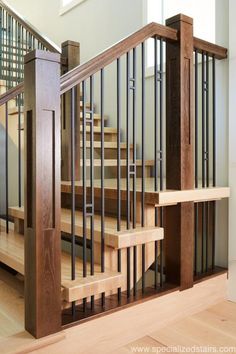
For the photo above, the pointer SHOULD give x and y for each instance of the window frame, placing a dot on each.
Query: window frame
(66, 8)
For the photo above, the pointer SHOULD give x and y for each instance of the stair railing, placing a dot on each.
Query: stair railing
(17, 38)
(134, 200)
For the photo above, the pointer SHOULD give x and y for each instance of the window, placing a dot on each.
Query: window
(67, 5)
(202, 11)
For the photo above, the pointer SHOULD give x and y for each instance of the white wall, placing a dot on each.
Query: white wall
(232, 150)
(96, 24)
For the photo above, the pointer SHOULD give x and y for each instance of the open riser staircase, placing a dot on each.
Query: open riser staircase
(91, 219)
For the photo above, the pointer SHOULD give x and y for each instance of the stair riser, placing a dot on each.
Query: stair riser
(97, 137)
(111, 172)
(109, 153)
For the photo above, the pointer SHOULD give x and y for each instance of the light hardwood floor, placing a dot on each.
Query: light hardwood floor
(196, 317)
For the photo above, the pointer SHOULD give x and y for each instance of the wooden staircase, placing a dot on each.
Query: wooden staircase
(92, 285)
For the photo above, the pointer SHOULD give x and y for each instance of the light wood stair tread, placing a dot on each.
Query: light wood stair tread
(113, 162)
(107, 130)
(12, 254)
(159, 198)
(113, 238)
(107, 145)
(91, 285)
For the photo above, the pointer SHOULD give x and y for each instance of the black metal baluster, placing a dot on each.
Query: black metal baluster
(214, 156)
(6, 168)
(19, 152)
(203, 121)
(92, 179)
(156, 150)
(128, 164)
(143, 164)
(207, 154)
(118, 166)
(84, 190)
(203, 157)
(196, 163)
(134, 88)
(161, 155)
(102, 183)
(72, 143)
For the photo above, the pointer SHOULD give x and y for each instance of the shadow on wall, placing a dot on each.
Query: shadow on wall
(13, 188)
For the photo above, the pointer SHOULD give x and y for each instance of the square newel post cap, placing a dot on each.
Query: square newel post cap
(179, 18)
(70, 44)
(42, 55)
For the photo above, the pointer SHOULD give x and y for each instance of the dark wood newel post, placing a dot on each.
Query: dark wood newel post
(179, 228)
(71, 59)
(42, 194)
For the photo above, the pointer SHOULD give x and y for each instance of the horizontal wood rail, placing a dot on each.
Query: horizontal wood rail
(11, 93)
(83, 71)
(30, 28)
(209, 48)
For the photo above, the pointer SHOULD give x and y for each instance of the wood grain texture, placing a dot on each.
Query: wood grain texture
(42, 194)
(82, 72)
(91, 285)
(70, 51)
(114, 239)
(179, 219)
(209, 48)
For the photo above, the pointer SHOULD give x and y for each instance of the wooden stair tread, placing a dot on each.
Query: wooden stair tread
(91, 285)
(159, 198)
(14, 110)
(107, 130)
(123, 239)
(113, 162)
(12, 254)
(107, 145)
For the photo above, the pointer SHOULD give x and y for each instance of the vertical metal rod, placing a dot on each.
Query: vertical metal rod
(207, 234)
(214, 155)
(161, 114)
(203, 158)
(143, 163)
(207, 120)
(6, 168)
(128, 164)
(134, 166)
(207, 154)
(196, 239)
(92, 179)
(102, 183)
(118, 166)
(156, 149)
(161, 248)
(19, 152)
(161, 156)
(203, 121)
(203, 235)
(72, 147)
(84, 188)
(196, 165)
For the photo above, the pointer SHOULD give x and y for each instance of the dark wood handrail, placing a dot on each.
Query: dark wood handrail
(30, 28)
(213, 49)
(11, 93)
(82, 72)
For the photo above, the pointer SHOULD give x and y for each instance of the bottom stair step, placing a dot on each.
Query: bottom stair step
(12, 255)
(91, 285)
